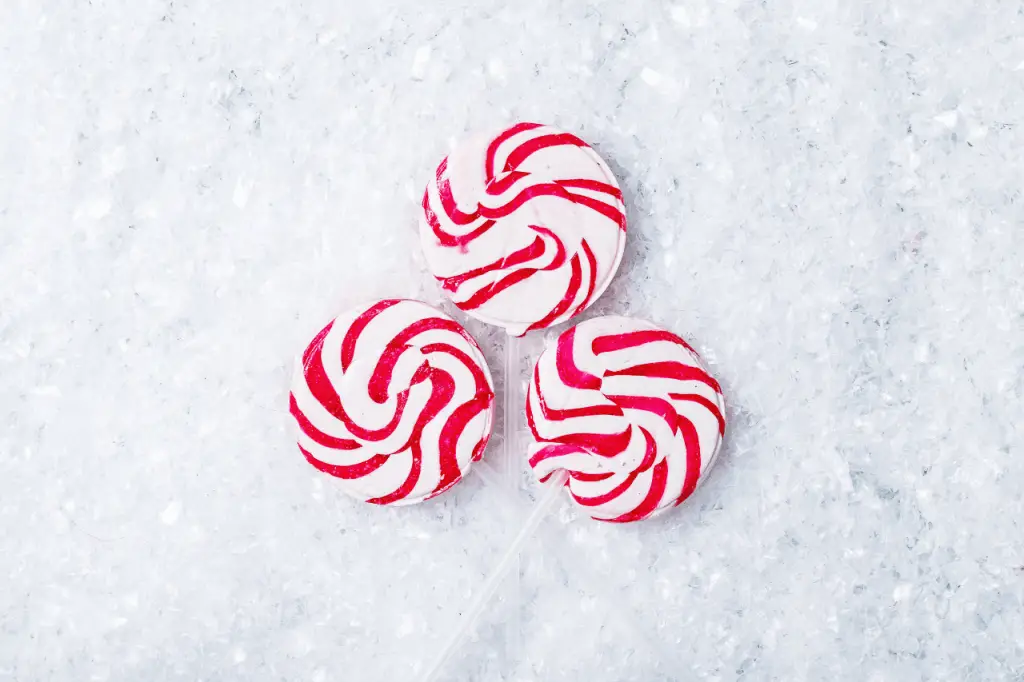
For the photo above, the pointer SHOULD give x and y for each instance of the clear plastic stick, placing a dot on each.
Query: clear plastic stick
(546, 502)
(510, 471)
(554, 544)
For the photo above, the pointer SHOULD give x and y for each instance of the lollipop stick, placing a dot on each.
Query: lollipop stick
(512, 407)
(511, 455)
(545, 503)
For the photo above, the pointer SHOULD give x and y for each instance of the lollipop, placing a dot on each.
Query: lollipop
(627, 417)
(630, 412)
(524, 228)
(395, 400)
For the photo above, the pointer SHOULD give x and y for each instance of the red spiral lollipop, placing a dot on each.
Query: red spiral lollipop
(524, 228)
(630, 412)
(395, 400)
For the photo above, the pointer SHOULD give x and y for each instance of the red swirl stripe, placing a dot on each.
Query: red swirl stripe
(606, 344)
(629, 411)
(500, 139)
(394, 399)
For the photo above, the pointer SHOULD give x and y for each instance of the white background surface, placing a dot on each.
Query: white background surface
(824, 197)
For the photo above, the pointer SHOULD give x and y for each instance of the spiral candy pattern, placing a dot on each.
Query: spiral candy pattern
(395, 400)
(523, 229)
(630, 411)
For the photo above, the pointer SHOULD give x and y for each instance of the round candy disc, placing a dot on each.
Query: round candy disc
(524, 228)
(393, 398)
(629, 411)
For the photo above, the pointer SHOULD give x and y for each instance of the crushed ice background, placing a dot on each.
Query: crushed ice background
(825, 197)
